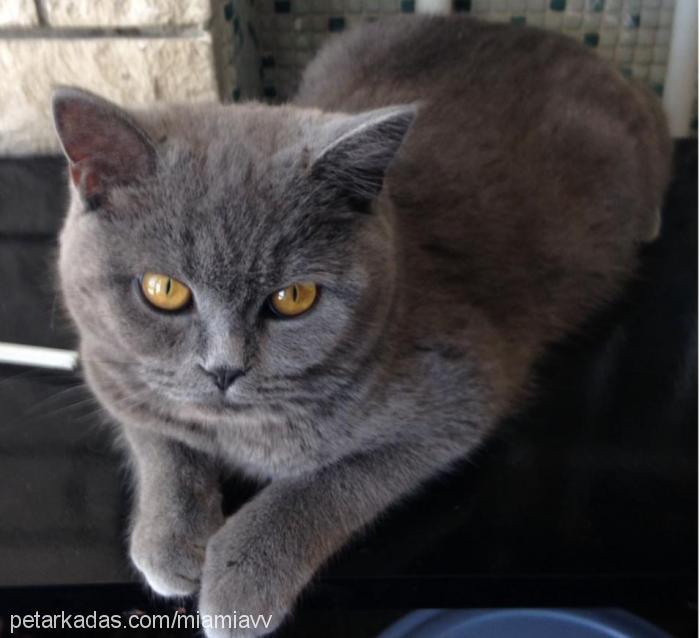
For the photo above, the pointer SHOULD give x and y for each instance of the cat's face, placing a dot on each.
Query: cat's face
(173, 252)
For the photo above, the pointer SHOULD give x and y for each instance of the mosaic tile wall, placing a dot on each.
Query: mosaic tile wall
(283, 35)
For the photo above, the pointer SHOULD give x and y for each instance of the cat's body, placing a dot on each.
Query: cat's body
(529, 175)
(517, 185)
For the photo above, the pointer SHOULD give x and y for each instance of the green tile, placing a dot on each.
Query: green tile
(336, 23)
(518, 20)
(408, 6)
(253, 34)
(462, 5)
(591, 39)
(597, 5)
(557, 5)
(283, 6)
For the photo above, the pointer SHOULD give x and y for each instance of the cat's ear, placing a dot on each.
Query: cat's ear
(104, 146)
(354, 164)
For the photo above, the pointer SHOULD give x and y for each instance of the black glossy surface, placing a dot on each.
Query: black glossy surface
(588, 498)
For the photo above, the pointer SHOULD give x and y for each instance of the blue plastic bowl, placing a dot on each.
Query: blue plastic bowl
(522, 623)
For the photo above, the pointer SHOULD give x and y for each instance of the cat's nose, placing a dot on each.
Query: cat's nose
(224, 376)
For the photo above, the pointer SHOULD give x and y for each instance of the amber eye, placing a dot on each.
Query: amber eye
(164, 292)
(294, 300)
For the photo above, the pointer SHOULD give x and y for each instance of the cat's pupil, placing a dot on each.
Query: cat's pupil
(168, 286)
(295, 294)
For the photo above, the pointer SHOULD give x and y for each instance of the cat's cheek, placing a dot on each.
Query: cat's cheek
(296, 344)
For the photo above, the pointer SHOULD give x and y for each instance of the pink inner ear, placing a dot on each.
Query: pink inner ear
(103, 145)
(84, 178)
(75, 173)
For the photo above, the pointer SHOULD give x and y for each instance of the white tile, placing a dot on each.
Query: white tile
(643, 55)
(640, 71)
(660, 55)
(624, 54)
(657, 73)
(645, 37)
(650, 18)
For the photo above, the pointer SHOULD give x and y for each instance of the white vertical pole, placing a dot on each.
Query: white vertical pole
(433, 6)
(682, 71)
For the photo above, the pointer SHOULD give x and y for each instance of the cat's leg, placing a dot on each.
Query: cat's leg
(265, 554)
(177, 508)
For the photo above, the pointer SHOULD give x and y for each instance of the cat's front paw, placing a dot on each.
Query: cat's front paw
(243, 585)
(169, 560)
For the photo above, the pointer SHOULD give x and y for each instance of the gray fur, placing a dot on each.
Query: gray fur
(519, 178)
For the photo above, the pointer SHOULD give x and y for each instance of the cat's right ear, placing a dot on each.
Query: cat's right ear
(354, 164)
(104, 146)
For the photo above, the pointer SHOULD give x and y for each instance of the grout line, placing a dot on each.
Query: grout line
(40, 13)
(50, 33)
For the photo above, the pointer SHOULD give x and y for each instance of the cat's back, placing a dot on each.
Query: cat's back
(484, 88)
(532, 172)
(441, 59)
(407, 58)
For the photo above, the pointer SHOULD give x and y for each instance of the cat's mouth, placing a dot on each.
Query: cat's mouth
(221, 403)
(206, 402)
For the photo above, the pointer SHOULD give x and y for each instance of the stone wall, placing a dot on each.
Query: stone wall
(135, 52)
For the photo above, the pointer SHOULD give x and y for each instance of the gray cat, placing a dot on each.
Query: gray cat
(342, 296)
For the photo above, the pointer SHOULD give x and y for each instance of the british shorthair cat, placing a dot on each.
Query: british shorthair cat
(341, 296)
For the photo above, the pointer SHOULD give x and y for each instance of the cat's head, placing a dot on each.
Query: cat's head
(216, 257)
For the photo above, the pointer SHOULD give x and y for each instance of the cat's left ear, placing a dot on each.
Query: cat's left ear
(355, 163)
(104, 146)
